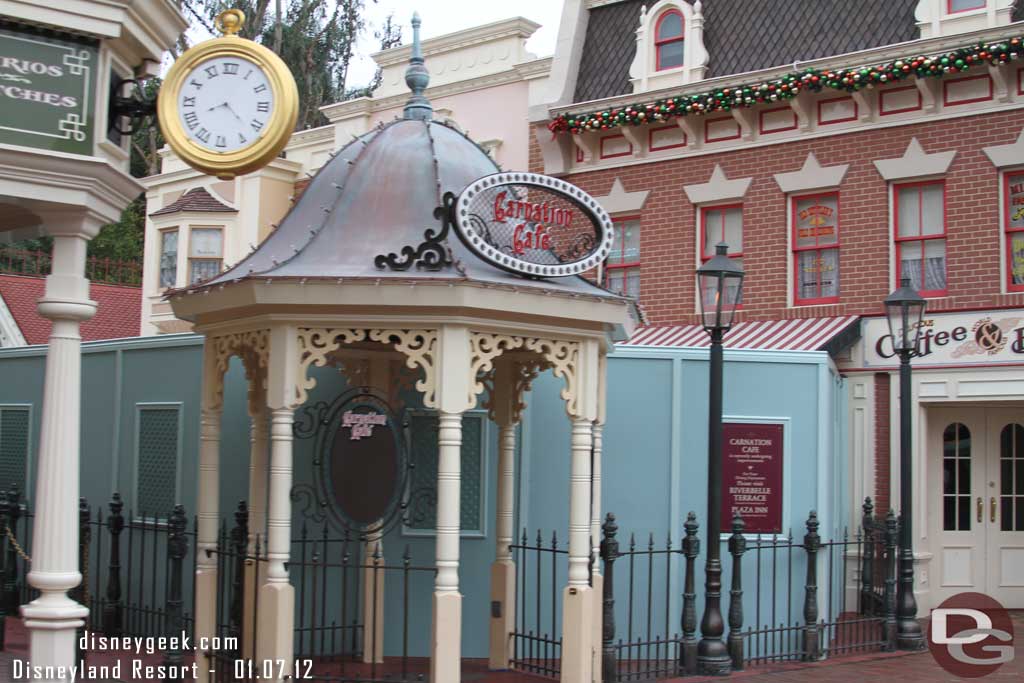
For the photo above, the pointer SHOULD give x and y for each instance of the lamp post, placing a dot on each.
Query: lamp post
(904, 310)
(720, 282)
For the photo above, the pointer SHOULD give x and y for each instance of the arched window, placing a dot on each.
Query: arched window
(668, 40)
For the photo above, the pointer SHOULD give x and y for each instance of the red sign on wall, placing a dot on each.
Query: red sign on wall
(752, 476)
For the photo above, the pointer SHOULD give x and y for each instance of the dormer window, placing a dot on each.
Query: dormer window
(669, 40)
(965, 5)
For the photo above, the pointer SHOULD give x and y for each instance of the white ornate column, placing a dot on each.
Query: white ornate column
(504, 412)
(259, 438)
(53, 617)
(597, 579)
(578, 605)
(207, 503)
(453, 396)
(277, 596)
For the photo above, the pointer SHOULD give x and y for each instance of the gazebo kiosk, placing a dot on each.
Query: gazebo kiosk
(363, 264)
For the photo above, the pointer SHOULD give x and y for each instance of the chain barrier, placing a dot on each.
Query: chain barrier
(17, 546)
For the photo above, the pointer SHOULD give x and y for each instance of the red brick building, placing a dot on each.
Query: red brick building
(835, 147)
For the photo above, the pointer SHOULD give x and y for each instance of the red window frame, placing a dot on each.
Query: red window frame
(704, 233)
(659, 42)
(617, 224)
(797, 300)
(1010, 231)
(899, 241)
(981, 4)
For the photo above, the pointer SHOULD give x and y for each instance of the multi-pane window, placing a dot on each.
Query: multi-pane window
(668, 40)
(168, 258)
(1015, 232)
(1011, 477)
(816, 249)
(14, 435)
(422, 494)
(156, 477)
(205, 253)
(956, 478)
(622, 269)
(964, 5)
(921, 236)
(722, 224)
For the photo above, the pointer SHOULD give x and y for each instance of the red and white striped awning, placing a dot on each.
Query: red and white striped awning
(799, 334)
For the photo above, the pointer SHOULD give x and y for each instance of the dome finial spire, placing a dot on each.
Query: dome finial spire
(417, 78)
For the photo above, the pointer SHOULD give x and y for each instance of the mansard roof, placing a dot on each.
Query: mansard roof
(746, 35)
(196, 199)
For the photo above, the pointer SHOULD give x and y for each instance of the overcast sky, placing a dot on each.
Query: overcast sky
(447, 16)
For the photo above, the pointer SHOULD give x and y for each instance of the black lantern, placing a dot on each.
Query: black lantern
(721, 289)
(720, 282)
(904, 309)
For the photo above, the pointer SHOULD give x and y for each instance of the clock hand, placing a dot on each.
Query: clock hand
(233, 112)
(218, 106)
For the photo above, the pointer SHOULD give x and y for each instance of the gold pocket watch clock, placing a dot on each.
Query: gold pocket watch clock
(228, 105)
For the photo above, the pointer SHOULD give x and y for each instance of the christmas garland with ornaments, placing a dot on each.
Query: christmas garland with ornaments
(789, 86)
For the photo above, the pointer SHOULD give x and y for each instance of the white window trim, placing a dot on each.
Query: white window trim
(643, 73)
(179, 406)
(486, 436)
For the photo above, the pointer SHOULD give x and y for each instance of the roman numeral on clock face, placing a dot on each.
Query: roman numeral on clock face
(263, 106)
(259, 88)
(211, 71)
(192, 120)
(195, 83)
(256, 124)
(222, 141)
(241, 139)
(203, 135)
(230, 68)
(188, 102)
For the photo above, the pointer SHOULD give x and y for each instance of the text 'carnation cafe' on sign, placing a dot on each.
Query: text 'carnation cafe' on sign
(533, 225)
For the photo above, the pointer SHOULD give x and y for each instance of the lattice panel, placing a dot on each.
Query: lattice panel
(423, 452)
(14, 430)
(156, 480)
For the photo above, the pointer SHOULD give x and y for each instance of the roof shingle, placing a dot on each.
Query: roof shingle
(196, 199)
(118, 314)
(745, 35)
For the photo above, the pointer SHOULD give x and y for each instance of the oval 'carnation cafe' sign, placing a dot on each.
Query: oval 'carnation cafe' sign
(533, 224)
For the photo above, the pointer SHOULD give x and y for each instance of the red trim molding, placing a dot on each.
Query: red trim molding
(882, 94)
(707, 130)
(650, 139)
(946, 102)
(616, 154)
(822, 121)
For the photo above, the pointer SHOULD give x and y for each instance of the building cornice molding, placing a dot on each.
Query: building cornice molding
(866, 57)
(812, 176)
(718, 189)
(915, 163)
(366, 106)
(88, 182)
(517, 26)
(1004, 156)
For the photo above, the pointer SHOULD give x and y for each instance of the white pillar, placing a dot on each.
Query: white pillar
(503, 569)
(277, 596)
(53, 617)
(207, 506)
(446, 636)
(578, 610)
(255, 573)
(596, 580)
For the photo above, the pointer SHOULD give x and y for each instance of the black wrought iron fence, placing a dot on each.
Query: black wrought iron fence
(541, 570)
(339, 628)
(808, 597)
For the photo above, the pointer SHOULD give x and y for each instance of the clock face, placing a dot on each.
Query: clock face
(224, 103)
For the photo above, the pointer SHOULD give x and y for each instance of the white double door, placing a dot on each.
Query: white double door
(976, 502)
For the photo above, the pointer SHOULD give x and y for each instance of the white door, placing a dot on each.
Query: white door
(1004, 506)
(976, 510)
(956, 508)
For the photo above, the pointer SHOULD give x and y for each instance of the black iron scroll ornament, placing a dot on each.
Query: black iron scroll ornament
(433, 253)
(383, 501)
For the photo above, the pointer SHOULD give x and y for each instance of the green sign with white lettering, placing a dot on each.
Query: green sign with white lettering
(47, 92)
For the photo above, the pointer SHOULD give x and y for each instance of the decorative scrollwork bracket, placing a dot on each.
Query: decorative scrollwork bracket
(431, 254)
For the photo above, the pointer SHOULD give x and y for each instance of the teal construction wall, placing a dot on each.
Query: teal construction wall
(654, 464)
